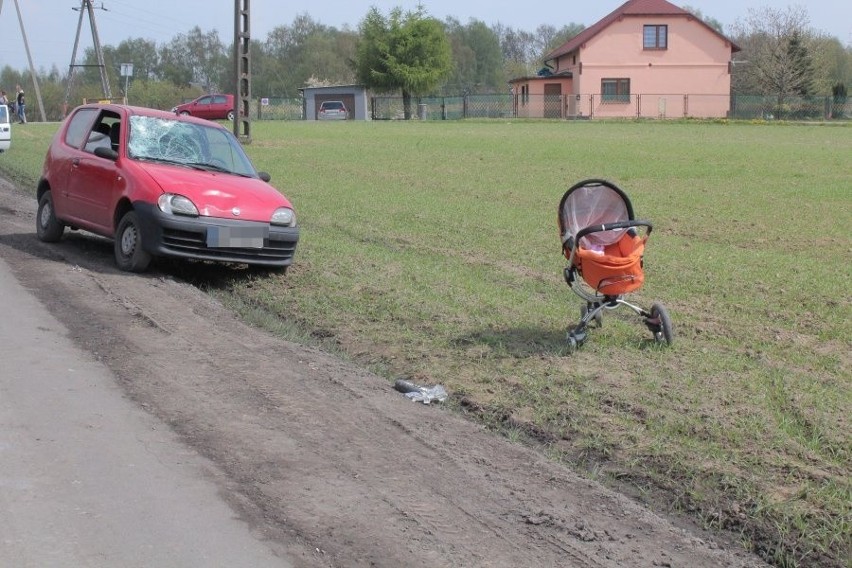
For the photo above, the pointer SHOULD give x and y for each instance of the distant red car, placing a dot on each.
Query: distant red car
(211, 107)
(162, 185)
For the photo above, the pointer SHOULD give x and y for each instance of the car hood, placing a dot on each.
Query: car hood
(217, 194)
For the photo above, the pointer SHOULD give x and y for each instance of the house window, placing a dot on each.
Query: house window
(615, 90)
(656, 37)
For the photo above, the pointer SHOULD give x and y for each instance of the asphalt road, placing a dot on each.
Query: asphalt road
(87, 478)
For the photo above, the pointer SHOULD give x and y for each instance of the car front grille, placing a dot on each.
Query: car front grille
(194, 243)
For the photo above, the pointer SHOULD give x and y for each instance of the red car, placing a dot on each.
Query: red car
(162, 185)
(211, 107)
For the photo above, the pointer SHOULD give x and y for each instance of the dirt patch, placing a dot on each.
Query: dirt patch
(321, 457)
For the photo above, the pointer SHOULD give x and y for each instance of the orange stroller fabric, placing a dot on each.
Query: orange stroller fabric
(615, 271)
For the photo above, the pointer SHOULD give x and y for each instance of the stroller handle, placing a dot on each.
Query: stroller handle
(610, 227)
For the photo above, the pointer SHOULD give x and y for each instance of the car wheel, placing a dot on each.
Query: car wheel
(48, 227)
(231, 115)
(184, 113)
(129, 254)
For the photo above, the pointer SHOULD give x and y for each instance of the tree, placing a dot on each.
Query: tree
(832, 63)
(801, 65)
(305, 49)
(776, 45)
(141, 53)
(520, 53)
(195, 57)
(408, 52)
(478, 61)
(712, 22)
(548, 38)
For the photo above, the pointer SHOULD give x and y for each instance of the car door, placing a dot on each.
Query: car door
(203, 107)
(91, 185)
(219, 108)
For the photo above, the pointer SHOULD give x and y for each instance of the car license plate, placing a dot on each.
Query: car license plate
(236, 237)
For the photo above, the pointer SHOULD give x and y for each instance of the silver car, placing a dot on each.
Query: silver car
(332, 110)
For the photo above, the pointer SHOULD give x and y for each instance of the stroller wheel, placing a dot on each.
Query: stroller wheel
(576, 338)
(660, 324)
(572, 343)
(587, 308)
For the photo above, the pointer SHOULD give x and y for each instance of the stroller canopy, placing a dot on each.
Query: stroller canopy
(593, 202)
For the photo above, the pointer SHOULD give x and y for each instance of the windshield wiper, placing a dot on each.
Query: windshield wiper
(207, 166)
(157, 159)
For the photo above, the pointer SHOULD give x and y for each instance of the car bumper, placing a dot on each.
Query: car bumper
(220, 240)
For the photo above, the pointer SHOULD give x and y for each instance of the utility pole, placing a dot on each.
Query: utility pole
(242, 70)
(87, 8)
(29, 59)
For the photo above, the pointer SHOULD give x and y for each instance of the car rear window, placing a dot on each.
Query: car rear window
(332, 106)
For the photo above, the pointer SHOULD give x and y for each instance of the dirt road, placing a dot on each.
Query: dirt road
(323, 459)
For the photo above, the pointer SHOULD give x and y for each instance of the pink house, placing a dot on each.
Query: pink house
(648, 58)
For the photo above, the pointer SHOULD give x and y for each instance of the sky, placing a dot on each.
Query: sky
(51, 25)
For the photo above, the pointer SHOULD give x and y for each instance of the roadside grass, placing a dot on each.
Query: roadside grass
(430, 251)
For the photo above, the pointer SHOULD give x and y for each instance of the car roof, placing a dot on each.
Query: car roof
(130, 110)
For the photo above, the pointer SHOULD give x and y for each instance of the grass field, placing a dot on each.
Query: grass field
(430, 251)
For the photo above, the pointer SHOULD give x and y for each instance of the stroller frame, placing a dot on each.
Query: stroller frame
(597, 301)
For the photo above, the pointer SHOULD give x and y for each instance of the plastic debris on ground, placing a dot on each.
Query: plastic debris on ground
(417, 393)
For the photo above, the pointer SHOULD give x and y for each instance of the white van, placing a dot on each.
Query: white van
(5, 129)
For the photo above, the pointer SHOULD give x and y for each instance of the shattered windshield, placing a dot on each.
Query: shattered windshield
(187, 144)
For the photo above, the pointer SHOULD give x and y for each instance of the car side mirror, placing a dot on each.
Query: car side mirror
(264, 176)
(108, 153)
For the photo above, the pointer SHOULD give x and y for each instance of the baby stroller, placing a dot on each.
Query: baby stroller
(604, 245)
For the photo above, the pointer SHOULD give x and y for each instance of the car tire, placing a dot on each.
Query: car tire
(48, 227)
(231, 115)
(129, 254)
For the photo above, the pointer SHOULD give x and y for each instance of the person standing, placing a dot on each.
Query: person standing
(4, 100)
(10, 104)
(22, 106)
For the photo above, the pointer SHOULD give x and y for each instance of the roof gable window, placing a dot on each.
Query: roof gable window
(655, 37)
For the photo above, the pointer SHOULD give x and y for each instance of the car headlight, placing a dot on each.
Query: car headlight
(174, 204)
(284, 216)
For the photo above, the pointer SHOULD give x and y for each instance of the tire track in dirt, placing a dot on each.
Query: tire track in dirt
(324, 458)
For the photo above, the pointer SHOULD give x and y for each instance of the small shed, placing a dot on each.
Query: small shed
(353, 96)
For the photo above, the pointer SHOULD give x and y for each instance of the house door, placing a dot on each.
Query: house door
(553, 100)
